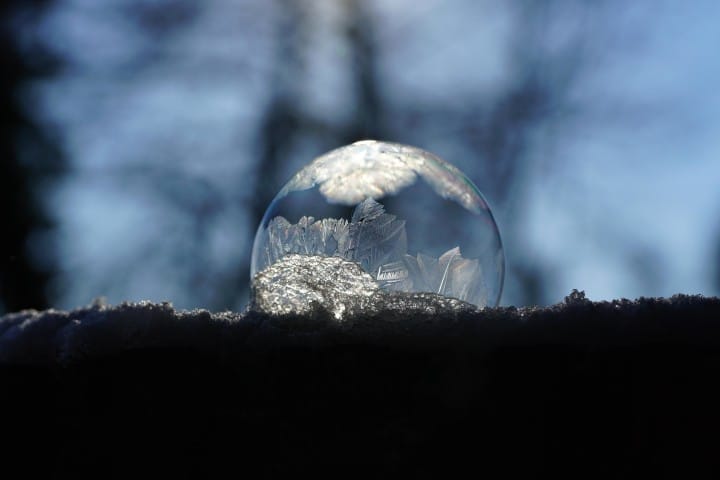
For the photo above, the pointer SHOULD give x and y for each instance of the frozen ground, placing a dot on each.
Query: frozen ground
(32, 337)
(620, 389)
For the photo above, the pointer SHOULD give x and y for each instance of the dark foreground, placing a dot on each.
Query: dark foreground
(583, 390)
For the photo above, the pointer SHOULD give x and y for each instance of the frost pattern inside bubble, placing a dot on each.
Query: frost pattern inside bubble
(377, 241)
(408, 219)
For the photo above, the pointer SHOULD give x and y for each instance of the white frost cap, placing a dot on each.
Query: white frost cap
(350, 174)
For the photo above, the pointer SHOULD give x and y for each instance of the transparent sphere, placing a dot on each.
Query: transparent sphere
(411, 220)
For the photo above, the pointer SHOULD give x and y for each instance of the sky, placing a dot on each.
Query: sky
(158, 115)
(655, 183)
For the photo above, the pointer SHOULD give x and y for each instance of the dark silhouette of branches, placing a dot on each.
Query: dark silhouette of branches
(369, 121)
(29, 160)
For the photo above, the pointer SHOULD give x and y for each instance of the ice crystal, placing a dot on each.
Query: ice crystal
(450, 275)
(377, 241)
(303, 284)
(376, 238)
(371, 238)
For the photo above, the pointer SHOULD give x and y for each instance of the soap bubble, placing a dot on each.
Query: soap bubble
(412, 221)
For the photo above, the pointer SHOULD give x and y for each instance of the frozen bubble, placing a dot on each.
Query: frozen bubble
(409, 221)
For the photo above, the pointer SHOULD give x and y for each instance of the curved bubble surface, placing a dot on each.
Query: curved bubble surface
(411, 220)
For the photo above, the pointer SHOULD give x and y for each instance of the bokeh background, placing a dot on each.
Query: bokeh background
(142, 140)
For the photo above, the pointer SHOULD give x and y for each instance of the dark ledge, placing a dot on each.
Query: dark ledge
(582, 389)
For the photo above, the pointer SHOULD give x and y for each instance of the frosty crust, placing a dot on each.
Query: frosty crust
(377, 241)
(307, 284)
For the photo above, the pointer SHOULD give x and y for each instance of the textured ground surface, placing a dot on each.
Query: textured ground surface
(580, 389)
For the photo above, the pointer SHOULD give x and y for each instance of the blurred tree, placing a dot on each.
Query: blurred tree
(543, 74)
(29, 160)
(501, 131)
(498, 131)
(367, 96)
(284, 123)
